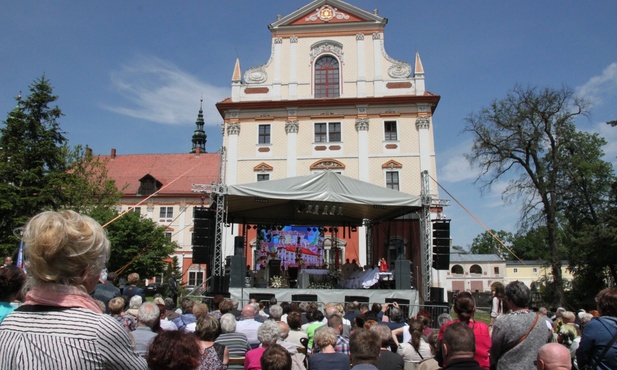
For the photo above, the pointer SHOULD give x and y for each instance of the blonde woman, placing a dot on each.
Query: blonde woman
(60, 326)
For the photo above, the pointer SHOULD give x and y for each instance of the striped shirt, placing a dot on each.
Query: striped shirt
(56, 338)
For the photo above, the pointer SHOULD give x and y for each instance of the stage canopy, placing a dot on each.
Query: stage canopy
(325, 198)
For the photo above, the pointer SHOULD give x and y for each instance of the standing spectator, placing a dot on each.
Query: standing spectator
(66, 252)
(173, 287)
(388, 360)
(268, 334)
(235, 341)
(365, 350)
(517, 335)
(599, 333)
(214, 356)
(497, 304)
(416, 350)
(173, 350)
(116, 310)
(249, 326)
(465, 308)
(12, 281)
(553, 356)
(328, 358)
(107, 290)
(276, 358)
(459, 348)
(132, 289)
(147, 324)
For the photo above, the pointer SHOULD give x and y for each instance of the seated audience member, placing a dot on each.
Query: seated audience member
(173, 350)
(431, 363)
(553, 356)
(165, 323)
(134, 304)
(214, 356)
(268, 334)
(12, 280)
(248, 325)
(327, 358)
(294, 320)
(417, 349)
(275, 357)
(459, 347)
(147, 325)
(388, 360)
(60, 326)
(365, 350)
(187, 317)
(275, 312)
(234, 341)
(116, 310)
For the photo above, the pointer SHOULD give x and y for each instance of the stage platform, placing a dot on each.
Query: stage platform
(407, 296)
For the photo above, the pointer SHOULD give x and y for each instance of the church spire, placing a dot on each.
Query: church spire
(199, 135)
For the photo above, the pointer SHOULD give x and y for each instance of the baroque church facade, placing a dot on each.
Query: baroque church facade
(331, 98)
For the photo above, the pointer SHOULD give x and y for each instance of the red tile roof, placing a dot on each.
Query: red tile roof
(185, 169)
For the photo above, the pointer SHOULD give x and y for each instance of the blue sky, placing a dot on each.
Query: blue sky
(130, 74)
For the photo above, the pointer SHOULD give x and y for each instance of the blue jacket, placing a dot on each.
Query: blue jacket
(597, 334)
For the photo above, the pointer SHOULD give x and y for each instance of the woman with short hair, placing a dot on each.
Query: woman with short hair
(327, 358)
(60, 326)
(213, 355)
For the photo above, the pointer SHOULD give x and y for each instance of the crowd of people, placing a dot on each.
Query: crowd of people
(62, 316)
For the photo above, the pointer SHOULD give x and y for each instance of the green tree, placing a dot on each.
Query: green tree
(485, 243)
(138, 244)
(32, 162)
(519, 139)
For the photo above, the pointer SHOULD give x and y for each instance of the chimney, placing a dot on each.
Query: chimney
(113, 153)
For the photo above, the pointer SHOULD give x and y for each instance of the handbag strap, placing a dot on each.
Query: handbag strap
(609, 346)
(511, 345)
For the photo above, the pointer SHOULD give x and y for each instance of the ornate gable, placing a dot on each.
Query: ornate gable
(321, 12)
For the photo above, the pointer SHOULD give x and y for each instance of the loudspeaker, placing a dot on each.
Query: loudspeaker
(201, 255)
(402, 274)
(436, 294)
(237, 271)
(274, 268)
(239, 246)
(304, 297)
(441, 261)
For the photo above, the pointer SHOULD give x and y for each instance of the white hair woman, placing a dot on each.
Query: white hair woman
(60, 325)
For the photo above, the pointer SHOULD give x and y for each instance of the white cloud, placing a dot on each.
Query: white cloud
(158, 91)
(455, 166)
(597, 86)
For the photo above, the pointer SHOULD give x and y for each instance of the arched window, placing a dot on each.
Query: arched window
(475, 269)
(327, 77)
(457, 269)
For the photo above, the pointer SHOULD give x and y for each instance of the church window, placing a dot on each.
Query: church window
(327, 77)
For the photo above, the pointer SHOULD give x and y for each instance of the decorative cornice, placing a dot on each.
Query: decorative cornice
(362, 124)
(292, 127)
(326, 47)
(233, 128)
(423, 123)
